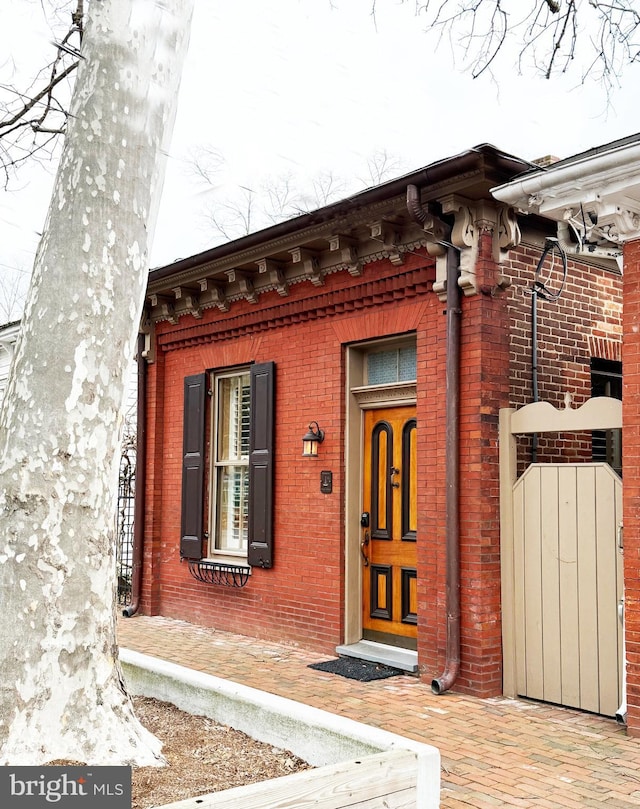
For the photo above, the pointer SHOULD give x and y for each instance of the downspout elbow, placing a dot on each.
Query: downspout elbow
(414, 205)
(448, 677)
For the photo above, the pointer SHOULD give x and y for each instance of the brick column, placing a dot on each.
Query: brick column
(631, 471)
(431, 413)
(153, 493)
(484, 389)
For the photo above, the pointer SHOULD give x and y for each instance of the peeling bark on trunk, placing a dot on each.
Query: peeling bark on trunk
(61, 694)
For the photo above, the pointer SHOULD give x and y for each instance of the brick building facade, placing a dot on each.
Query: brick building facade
(345, 321)
(597, 193)
(631, 457)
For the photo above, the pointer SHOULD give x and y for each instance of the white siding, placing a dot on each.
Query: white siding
(8, 337)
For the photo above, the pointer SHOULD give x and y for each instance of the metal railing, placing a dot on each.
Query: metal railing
(125, 522)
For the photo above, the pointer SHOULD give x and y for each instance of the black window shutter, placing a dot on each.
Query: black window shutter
(260, 553)
(195, 396)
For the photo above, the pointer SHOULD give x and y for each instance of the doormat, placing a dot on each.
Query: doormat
(361, 670)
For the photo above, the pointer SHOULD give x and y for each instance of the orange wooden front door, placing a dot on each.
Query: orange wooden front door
(388, 541)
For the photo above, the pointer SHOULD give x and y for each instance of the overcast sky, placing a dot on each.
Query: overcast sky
(299, 87)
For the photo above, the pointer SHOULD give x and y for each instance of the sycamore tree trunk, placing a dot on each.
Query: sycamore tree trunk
(61, 690)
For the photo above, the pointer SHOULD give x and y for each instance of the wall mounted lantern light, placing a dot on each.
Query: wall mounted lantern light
(311, 440)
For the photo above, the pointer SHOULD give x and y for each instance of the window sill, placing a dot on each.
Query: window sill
(220, 573)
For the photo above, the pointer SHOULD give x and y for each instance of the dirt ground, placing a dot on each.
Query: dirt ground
(202, 757)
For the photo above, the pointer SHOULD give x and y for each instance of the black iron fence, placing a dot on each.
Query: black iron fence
(126, 497)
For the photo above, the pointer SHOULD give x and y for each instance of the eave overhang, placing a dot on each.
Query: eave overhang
(596, 193)
(344, 236)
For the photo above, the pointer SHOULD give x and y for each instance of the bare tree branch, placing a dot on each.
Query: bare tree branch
(31, 118)
(325, 188)
(380, 166)
(596, 40)
(10, 124)
(245, 209)
(281, 198)
(13, 290)
(234, 218)
(205, 164)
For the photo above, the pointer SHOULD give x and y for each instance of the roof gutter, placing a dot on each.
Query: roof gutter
(576, 178)
(439, 172)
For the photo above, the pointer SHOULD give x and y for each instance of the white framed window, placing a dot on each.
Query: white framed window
(230, 472)
(227, 463)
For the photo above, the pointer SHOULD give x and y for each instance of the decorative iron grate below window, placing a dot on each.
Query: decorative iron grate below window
(219, 573)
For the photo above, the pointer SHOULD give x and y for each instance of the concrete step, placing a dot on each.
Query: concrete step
(403, 659)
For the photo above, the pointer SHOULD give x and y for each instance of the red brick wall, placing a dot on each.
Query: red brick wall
(483, 390)
(496, 372)
(301, 600)
(430, 414)
(585, 322)
(631, 489)
(153, 483)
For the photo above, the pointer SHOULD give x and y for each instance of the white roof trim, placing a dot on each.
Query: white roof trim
(8, 337)
(603, 188)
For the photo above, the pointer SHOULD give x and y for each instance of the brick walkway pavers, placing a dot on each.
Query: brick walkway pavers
(495, 752)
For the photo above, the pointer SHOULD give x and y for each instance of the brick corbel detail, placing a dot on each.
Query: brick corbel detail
(244, 283)
(274, 272)
(310, 262)
(345, 255)
(473, 219)
(362, 295)
(191, 299)
(165, 306)
(385, 233)
(212, 294)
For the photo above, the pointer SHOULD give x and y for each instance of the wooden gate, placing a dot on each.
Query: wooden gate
(562, 567)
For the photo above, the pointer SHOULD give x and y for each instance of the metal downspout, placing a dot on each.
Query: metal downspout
(534, 365)
(452, 447)
(452, 477)
(141, 463)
